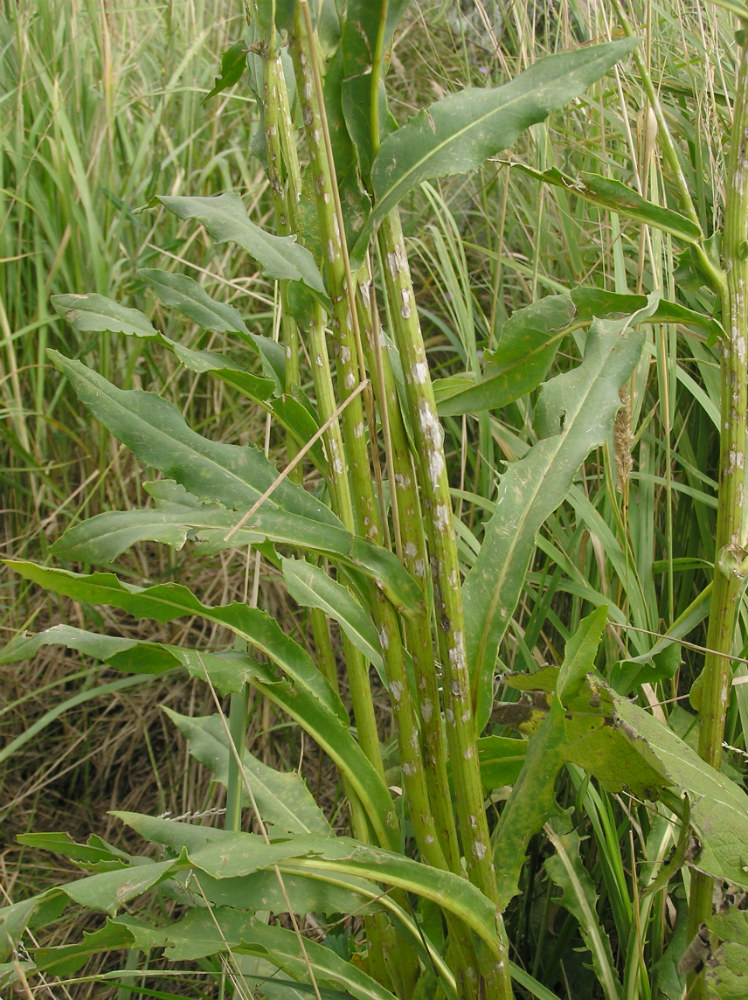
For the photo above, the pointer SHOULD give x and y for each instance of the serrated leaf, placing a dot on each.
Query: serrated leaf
(225, 219)
(578, 896)
(619, 198)
(159, 436)
(282, 798)
(458, 133)
(575, 414)
(95, 313)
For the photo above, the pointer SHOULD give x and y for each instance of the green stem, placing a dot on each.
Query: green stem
(434, 486)
(730, 539)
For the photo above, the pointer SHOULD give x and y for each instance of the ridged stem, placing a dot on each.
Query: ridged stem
(730, 537)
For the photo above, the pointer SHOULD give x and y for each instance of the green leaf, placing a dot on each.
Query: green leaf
(233, 64)
(575, 414)
(311, 587)
(525, 352)
(533, 799)
(501, 760)
(531, 337)
(225, 219)
(283, 799)
(234, 854)
(617, 197)
(458, 133)
(726, 974)
(179, 516)
(159, 436)
(96, 313)
(189, 298)
(565, 868)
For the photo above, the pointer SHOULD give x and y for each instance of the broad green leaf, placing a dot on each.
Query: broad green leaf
(302, 693)
(565, 868)
(283, 799)
(726, 973)
(580, 654)
(170, 601)
(719, 806)
(575, 414)
(458, 133)
(525, 352)
(225, 219)
(531, 337)
(622, 199)
(233, 64)
(236, 854)
(311, 587)
(189, 298)
(159, 436)
(94, 313)
(179, 516)
(501, 760)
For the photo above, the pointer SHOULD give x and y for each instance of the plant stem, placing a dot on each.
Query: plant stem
(730, 539)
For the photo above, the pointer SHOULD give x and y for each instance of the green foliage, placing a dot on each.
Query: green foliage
(441, 869)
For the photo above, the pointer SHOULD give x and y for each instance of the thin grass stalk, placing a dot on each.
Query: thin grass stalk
(730, 538)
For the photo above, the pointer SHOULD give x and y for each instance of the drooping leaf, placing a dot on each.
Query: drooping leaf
(159, 436)
(619, 198)
(178, 516)
(525, 352)
(95, 313)
(189, 298)
(281, 797)
(234, 854)
(579, 897)
(302, 692)
(225, 219)
(311, 587)
(458, 133)
(531, 337)
(575, 414)
(533, 800)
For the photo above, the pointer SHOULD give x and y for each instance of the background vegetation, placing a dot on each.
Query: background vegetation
(101, 109)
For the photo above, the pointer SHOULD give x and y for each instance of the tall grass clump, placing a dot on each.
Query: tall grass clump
(502, 374)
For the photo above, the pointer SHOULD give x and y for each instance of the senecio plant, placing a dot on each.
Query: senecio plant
(435, 854)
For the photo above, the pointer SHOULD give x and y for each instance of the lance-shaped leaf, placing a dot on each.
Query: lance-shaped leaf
(303, 693)
(282, 798)
(458, 133)
(225, 219)
(311, 587)
(531, 337)
(575, 414)
(565, 868)
(189, 298)
(94, 313)
(159, 436)
(229, 855)
(179, 516)
(619, 198)
(169, 601)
